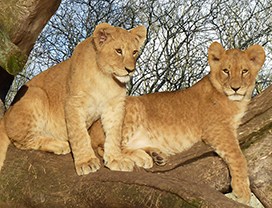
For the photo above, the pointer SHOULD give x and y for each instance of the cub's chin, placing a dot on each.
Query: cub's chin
(236, 97)
(122, 79)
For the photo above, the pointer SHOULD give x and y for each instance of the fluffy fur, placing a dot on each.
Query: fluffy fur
(166, 123)
(53, 111)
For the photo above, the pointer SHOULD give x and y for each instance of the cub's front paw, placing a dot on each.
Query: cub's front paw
(84, 168)
(241, 190)
(140, 157)
(120, 164)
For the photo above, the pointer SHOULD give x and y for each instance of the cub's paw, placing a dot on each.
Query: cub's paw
(158, 156)
(121, 164)
(84, 168)
(61, 148)
(58, 147)
(140, 157)
(241, 190)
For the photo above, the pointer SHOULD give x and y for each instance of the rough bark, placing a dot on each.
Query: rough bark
(20, 24)
(12, 59)
(2, 109)
(24, 20)
(38, 179)
(256, 139)
(259, 157)
(195, 178)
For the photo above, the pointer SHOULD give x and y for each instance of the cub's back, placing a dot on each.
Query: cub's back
(52, 81)
(54, 77)
(196, 108)
(172, 104)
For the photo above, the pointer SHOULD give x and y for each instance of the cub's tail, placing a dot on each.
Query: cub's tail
(4, 142)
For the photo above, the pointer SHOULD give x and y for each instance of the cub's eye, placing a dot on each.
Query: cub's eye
(226, 71)
(118, 51)
(244, 72)
(135, 52)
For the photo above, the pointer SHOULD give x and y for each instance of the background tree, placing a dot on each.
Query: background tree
(20, 24)
(174, 55)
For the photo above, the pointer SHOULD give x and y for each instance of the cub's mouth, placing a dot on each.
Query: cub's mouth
(236, 97)
(235, 94)
(122, 79)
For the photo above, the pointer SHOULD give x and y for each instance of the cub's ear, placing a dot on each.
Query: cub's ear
(139, 33)
(215, 53)
(102, 33)
(256, 55)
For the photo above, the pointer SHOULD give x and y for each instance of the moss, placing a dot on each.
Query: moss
(16, 62)
(255, 137)
(195, 203)
(12, 59)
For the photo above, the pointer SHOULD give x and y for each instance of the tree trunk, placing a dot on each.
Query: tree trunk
(194, 178)
(39, 179)
(22, 21)
(20, 25)
(2, 109)
(256, 140)
(12, 59)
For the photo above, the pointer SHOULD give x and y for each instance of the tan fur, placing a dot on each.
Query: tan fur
(166, 123)
(72, 95)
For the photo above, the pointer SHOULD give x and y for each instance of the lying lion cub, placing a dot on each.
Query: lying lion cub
(61, 103)
(166, 123)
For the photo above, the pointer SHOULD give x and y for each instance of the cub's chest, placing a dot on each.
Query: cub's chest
(102, 101)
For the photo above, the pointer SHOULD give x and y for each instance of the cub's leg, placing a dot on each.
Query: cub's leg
(227, 147)
(37, 142)
(80, 113)
(112, 120)
(136, 144)
(27, 119)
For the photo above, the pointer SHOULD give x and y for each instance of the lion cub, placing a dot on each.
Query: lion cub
(53, 111)
(167, 123)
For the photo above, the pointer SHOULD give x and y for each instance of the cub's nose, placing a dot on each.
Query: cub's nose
(235, 88)
(129, 70)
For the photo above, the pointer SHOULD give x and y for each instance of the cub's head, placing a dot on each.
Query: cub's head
(117, 50)
(233, 71)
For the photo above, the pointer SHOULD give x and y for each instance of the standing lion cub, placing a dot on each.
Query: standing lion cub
(166, 123)
(53, 111)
